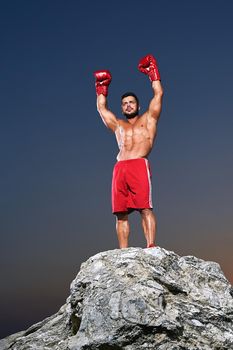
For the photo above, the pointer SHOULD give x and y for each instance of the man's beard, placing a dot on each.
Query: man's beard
(131, 115)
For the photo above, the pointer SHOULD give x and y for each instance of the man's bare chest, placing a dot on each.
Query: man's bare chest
(139, 128)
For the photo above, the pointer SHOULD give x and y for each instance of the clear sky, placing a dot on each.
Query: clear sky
(57, 156)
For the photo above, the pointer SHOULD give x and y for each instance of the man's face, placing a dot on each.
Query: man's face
(129, 107)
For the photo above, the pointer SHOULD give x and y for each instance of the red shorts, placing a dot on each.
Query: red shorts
(131, 185)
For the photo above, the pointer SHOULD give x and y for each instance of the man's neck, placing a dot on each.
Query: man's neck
(133, 120)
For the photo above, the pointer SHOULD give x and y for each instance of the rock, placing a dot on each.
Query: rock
(138, 299)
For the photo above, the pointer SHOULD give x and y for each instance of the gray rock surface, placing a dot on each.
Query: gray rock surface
(138, 299)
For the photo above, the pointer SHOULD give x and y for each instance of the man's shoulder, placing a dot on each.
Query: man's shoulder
(150, 119)
(144, 116)
(122, 122)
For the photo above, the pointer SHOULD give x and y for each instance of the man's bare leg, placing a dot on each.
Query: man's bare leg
(149, 226)
(122, 228)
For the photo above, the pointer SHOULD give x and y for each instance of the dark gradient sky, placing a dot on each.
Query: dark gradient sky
(57, 157)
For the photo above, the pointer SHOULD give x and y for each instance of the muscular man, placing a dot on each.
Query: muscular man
(131, 183)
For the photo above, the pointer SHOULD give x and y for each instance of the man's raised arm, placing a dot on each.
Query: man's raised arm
(148, 66)
(103, 79)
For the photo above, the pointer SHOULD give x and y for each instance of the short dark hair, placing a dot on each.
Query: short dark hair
(129, 93)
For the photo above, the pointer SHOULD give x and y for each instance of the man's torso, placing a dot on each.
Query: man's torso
(135, 140)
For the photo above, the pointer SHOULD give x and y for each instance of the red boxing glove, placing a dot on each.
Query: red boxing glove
(103, 79)
(148, 65)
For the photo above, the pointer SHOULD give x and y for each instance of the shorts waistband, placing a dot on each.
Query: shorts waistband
(130, 160)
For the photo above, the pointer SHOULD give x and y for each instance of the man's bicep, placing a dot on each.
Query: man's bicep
(109, 119)
(154, 110)
(155, 107)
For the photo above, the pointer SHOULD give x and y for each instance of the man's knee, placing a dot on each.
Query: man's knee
(146, 212)
(122, 216)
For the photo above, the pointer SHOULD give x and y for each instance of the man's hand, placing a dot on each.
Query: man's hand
(103, 79)
(148, 66)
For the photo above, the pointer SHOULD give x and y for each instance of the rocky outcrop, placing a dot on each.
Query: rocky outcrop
(136, 299)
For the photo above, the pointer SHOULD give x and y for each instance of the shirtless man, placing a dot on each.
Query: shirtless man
(131, 183)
